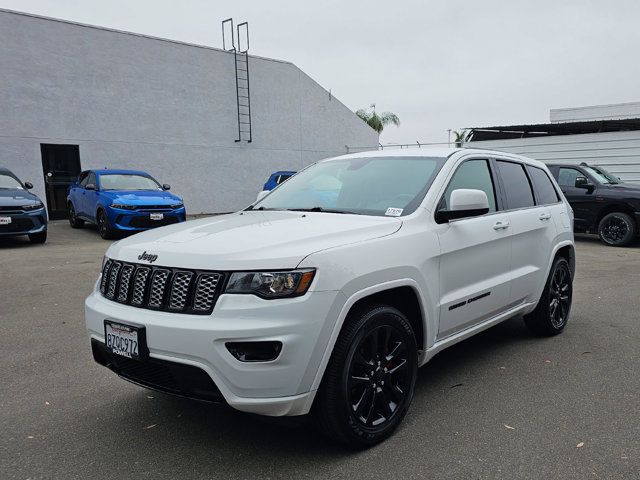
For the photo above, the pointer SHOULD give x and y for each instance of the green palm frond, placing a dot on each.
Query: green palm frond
(375, 121)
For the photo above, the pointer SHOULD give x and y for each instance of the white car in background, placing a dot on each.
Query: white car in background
(325, 296)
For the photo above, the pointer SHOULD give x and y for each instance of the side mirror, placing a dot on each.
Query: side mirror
(262, 194)
(582, 182)
(90, 186)
(28, 185)
(464, 203)
(166, 186)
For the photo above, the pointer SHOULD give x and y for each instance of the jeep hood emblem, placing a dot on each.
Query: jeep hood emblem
(148, 257)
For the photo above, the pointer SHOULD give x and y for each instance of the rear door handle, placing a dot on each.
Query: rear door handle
(501, 226)
(544, 216)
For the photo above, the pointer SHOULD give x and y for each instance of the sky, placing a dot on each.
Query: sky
(437, 64)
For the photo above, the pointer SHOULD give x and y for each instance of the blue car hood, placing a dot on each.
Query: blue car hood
(142, 197)
(14, 197)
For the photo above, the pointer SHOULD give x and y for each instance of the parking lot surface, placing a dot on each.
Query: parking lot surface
(501, 405)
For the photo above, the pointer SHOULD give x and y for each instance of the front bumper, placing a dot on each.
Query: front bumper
(138, 220)
(278, 387)
(24, 223)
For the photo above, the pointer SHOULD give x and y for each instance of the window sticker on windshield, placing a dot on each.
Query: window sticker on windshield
(393, 212)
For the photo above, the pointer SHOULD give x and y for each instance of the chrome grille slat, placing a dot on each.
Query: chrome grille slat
(180, 290)
(113, 279)
(125, 283)
(157, 290)
(205, 291)
(140, 285)
(168, 289)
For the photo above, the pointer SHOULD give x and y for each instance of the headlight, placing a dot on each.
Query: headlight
(177, 206)
(123, 207)
(35, 206)
(271, 284)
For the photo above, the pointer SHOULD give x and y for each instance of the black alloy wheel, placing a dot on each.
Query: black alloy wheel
(369, 382)
(554, 307)
(379, 376)
(104, 228)
(74, 221)
(616, 229)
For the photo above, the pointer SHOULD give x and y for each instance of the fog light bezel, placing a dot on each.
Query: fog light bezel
(245, 351)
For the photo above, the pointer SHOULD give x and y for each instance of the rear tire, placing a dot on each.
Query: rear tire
(104, 227)
(369, 382)
(552, 313)
(38, 237)
(74, 221)
(616, 229)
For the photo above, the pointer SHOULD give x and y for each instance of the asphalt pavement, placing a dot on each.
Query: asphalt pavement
(501, 405)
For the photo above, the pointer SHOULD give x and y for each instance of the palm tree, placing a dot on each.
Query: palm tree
(461, 137)
(375, 121)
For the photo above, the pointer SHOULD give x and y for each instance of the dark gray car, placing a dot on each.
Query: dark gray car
(21, 212)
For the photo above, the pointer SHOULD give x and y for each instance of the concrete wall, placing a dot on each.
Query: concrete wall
(618, 152)
(131, 101)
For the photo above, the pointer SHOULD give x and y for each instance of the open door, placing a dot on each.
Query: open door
(61, 166)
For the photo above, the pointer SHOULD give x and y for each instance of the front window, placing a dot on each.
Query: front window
(392, 186)
(128, 182)
(9, 182)
(602, 176)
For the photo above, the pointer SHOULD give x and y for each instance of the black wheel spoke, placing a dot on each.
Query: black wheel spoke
(397, 368)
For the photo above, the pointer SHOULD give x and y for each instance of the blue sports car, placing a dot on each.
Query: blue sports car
(21, 212)
(122, 201)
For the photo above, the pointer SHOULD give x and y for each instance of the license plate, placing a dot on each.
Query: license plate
(156, 216)
(124, 340)
(5, 220)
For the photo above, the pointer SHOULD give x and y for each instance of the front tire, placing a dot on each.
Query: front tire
(616, 229)
(74, 221)
(552, 313)
(369, 382)
(38, 237)
(104, 227)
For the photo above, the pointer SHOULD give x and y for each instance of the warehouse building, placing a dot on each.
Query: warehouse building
(212, 123)
(605, 135)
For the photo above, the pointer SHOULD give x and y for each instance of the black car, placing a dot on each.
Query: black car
(21, 212)
(601, 202)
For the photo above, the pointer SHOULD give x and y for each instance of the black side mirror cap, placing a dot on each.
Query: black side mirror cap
(166, 186)
(28, 185)
(582, 182)
(444, 216)
(90, 186)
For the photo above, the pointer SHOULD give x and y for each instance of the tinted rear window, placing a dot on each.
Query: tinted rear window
(545, 192)
(516, 185)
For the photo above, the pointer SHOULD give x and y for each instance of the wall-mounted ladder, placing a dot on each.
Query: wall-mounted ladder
(241, 61)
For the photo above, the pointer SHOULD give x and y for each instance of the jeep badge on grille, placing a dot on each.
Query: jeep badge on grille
(148, 257)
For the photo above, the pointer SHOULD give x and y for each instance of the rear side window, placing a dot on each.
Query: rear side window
(473, 174)
(84, 177)
(516, 185)
(545, 192)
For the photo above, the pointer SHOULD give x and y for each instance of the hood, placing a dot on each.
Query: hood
(625, 187)
(16, 197)
(142, 197)
(251, 240)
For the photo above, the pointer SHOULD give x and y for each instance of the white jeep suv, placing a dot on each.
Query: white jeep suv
(325, 296)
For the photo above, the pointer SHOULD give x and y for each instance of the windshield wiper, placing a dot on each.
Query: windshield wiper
(320, 209)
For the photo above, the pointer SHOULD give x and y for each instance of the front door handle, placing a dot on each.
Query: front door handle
(501, 226)
(544, 216)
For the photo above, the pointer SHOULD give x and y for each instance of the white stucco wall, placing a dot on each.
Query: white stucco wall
(131, 101)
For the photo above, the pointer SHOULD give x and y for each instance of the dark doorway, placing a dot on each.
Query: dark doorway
(61, 166)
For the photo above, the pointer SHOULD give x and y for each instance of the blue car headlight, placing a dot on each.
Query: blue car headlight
(121, 206)
(176, 206)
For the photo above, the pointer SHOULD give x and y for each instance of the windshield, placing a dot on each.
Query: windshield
(9, 182)
(391, 186)
(602, 176)
(128, 182)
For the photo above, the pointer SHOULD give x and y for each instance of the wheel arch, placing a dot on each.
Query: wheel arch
(614, 207)
(390, 293)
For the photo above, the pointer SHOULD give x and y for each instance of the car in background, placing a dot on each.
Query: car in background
(21, 212)
(274, 180)
(120, 201)
(601, 202)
